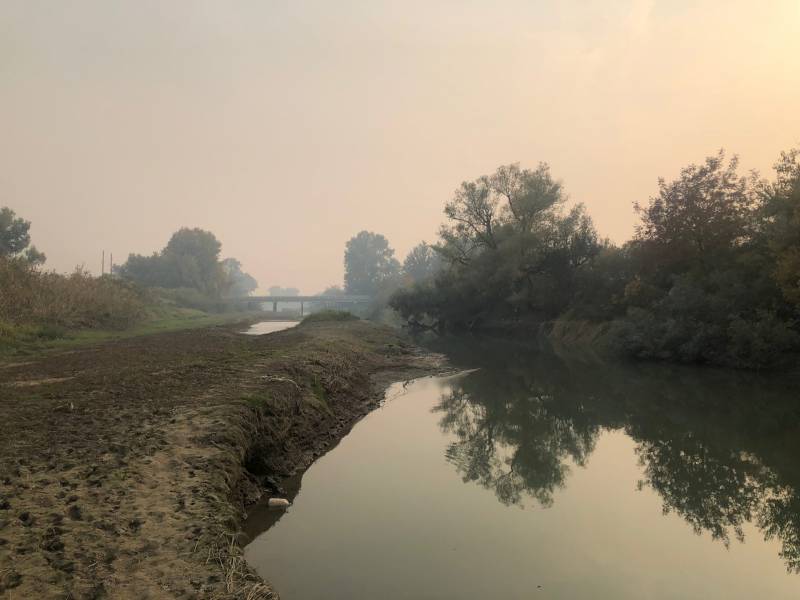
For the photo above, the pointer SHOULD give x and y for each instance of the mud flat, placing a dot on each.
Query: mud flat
(126, 468)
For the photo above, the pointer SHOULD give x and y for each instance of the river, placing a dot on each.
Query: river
(545, 476)
(264, 327)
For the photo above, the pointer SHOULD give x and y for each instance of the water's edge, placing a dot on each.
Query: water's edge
(307, 445)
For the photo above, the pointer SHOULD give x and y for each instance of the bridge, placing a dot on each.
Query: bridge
(337, 302)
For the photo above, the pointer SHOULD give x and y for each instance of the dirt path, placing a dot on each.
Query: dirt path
(125, 468)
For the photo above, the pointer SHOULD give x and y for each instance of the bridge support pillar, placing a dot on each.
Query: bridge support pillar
(302, 308)
(274, 307)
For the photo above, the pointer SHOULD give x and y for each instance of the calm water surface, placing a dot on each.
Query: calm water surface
(540, 477)
(270, 327)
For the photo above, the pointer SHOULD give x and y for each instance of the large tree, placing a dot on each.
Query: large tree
(509, 251)
(780, 224)
(511, 198)
(369, 263)
(194, 255)
(239, 283)
(15, 238)
(422, 263)
(528, 194)
(189, 260)
(698, 219)
(704, 269)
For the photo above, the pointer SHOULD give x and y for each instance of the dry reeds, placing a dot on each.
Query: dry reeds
(238, 578)
(29, 296)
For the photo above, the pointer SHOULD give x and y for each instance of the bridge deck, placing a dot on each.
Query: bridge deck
(332, 299)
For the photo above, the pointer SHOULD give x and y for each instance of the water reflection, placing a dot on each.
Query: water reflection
(265, 327)
(719, 447)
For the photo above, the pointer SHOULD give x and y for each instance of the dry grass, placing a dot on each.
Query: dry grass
(29, 296)
(240, 581)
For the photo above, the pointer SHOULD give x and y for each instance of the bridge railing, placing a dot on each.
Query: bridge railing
(328, 301)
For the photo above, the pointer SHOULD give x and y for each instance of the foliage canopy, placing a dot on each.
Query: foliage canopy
(711, 275)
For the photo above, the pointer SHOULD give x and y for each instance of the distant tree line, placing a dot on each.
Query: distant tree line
(712, 274)
(370, 267)
(190, 260)
(277, 290)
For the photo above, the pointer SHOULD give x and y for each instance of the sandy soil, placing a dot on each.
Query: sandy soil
(125, 468)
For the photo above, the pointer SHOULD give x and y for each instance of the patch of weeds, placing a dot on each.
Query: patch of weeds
(318, 390)
(51, 332)
(257, 400)
(7, 330)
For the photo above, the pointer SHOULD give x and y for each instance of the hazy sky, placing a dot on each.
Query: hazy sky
(286, 127)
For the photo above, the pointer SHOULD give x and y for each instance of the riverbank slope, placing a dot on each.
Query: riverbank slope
(125, 467)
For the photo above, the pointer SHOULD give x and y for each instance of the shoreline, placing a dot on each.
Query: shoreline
(126, 468)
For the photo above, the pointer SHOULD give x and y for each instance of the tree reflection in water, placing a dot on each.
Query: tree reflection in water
(719, 447)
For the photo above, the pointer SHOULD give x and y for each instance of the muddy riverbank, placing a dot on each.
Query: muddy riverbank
(126, 468)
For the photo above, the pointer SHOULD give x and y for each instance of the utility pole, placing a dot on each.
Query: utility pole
(103, 265)
(111, 265)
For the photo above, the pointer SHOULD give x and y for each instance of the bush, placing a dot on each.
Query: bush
(760, 342)
(757, 342)
(330, 315)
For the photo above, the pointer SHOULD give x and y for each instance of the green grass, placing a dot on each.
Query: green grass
(258, 399)
(31, 339)
(319, 391)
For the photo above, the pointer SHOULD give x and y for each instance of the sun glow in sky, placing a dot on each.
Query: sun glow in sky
(286, 127)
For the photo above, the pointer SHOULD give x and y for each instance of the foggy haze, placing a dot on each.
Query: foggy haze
(287, 127)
